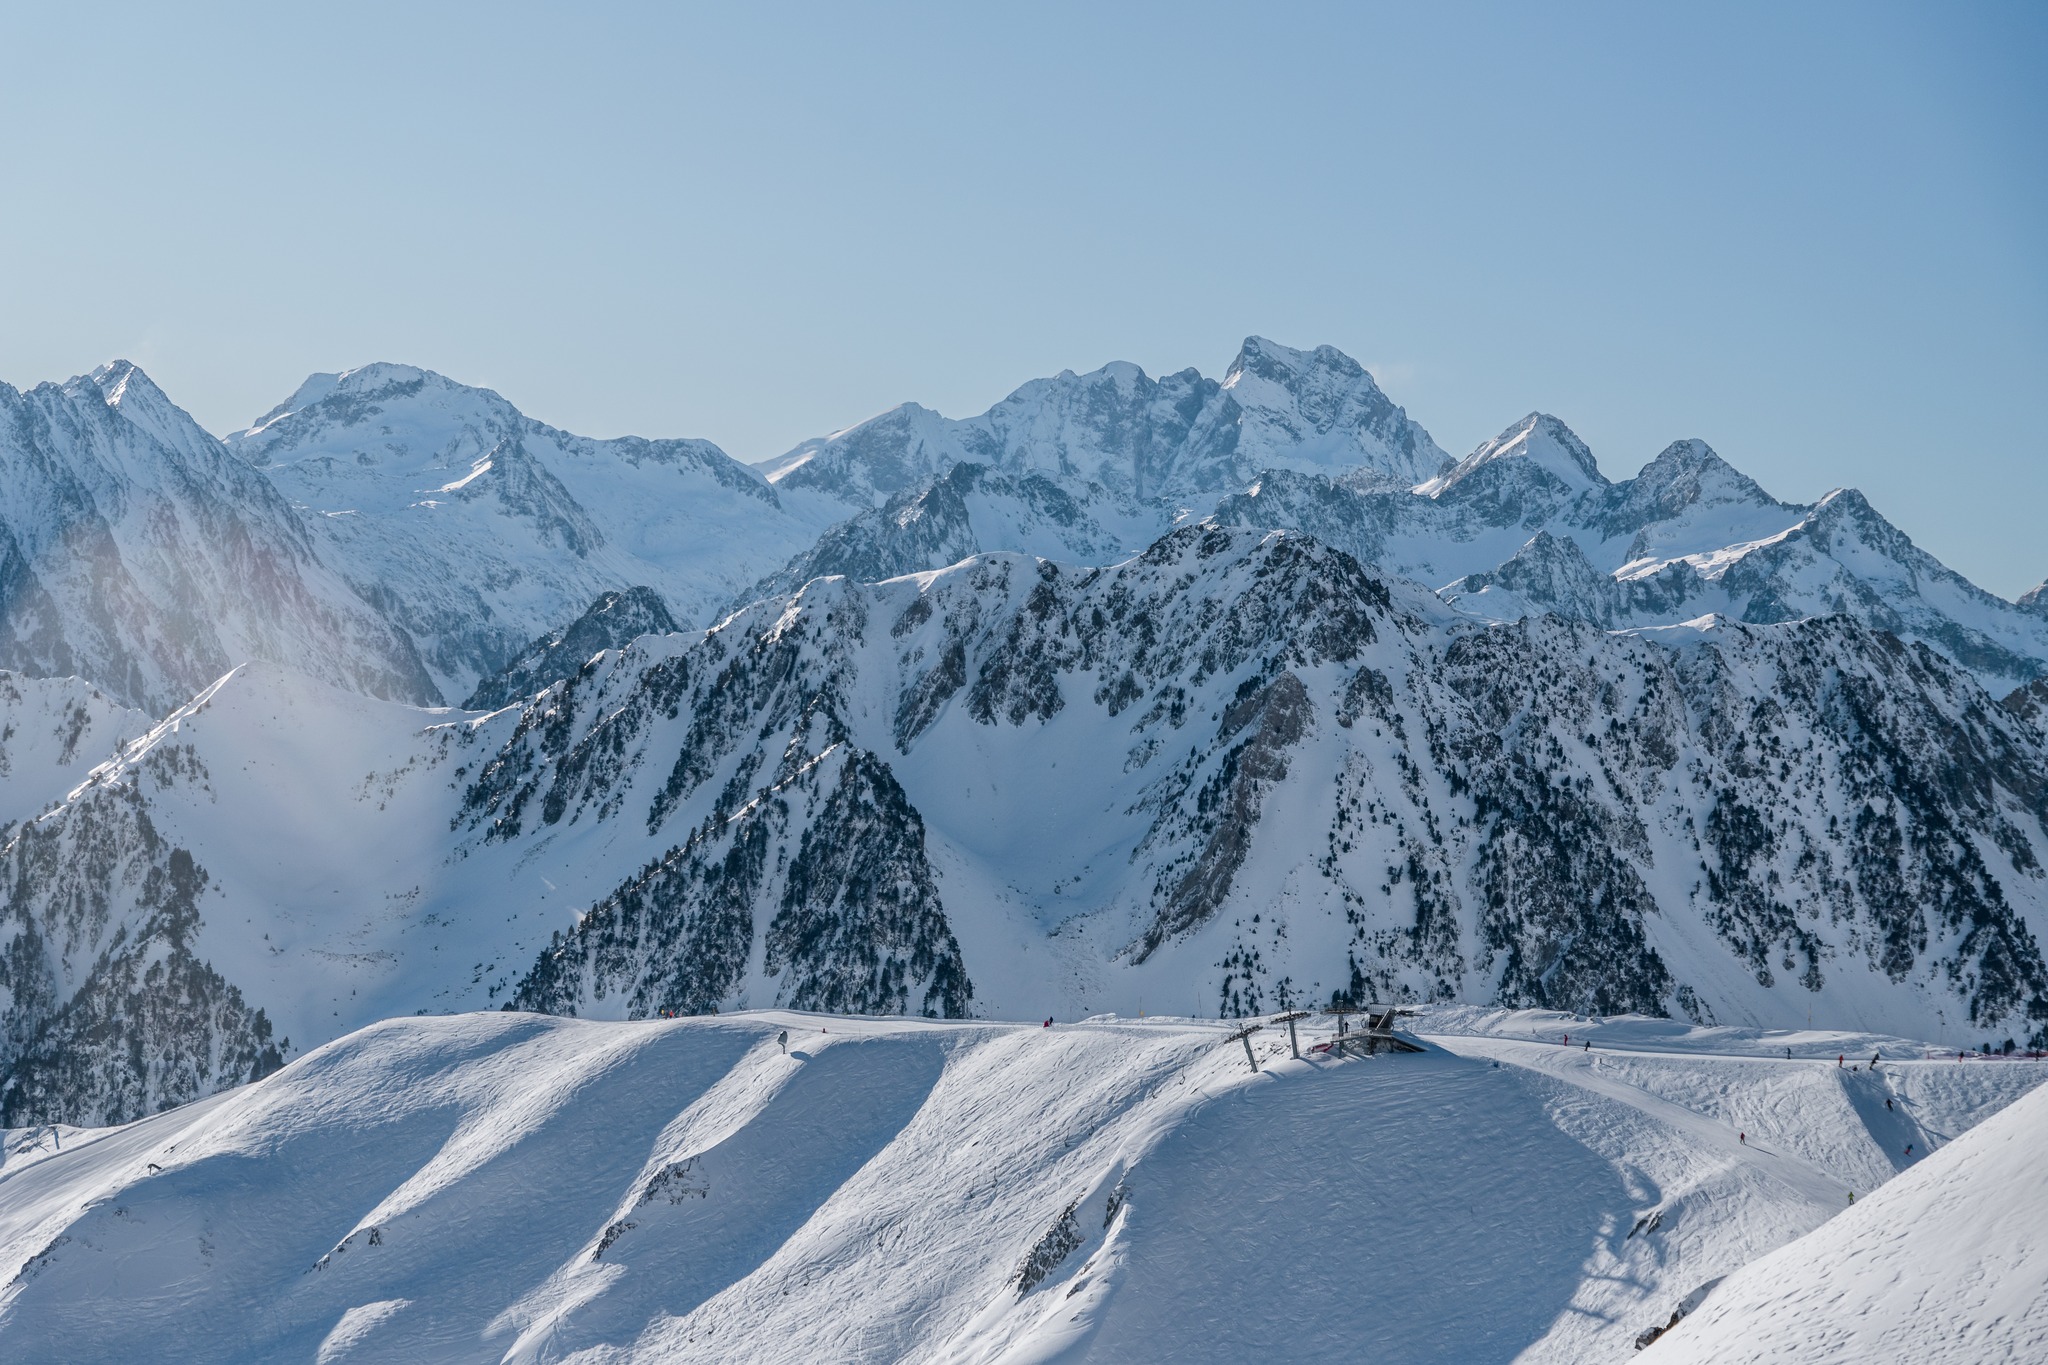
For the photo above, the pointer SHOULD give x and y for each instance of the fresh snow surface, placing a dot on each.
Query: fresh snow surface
(513, 1187)
(1944, 1266)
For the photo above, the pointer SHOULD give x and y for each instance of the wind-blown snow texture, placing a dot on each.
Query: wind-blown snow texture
(509, 1187)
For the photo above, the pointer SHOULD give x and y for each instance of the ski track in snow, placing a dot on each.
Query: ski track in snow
(514, 1187)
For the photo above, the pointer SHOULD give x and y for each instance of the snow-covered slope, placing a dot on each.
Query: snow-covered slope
(1238, 771)
(53, 732)
(136, 553)
(506, 1187)
(1943, 1266)
(477, 529)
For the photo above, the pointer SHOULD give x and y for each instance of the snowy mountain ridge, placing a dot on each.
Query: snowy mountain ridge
(476, 528)
(1092, 468)
(1139, 439)
(1237, 772)
(405, 535)
(1238, 750)
(136, 553)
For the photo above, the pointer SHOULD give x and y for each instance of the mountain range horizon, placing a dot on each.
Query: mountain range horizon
(1260, 679)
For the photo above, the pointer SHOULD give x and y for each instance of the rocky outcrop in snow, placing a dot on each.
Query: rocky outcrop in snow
(614, 619)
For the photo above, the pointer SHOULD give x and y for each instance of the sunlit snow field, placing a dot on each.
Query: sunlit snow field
(507, 1186)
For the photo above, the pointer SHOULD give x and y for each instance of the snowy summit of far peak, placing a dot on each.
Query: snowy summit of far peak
(125, 389)
(1688, 471)
(346, 397)
(115, 378)
(2035, 599)
(1538, 441)
(1697, 491)
(124, 386)
(1320, 411)
(1265, 359)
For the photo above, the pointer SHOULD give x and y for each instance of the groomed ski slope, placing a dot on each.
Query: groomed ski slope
(516, 1187)
(1943, 1265)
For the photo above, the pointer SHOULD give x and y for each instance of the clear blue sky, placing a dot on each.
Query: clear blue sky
(1815, 234)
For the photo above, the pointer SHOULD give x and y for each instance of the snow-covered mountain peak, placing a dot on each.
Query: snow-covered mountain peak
(145, 557)
(1260, 358)
(2035, 599)
(1320, 411)
(362, 383)
(870, 460)
(113, 378)
(479, 529)
(134, 396)
(1685, 475)
(412, 412)
(1539, 442)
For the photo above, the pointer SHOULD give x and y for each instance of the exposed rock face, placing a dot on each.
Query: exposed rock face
(2030, 703)
(614, 620)
(1272, 719)
(829, 856)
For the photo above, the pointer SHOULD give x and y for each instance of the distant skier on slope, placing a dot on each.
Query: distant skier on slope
(783, 1039)
(1589, 1044)
(1888, 1105)
(1873, 1061)
(1048, 1022)
(1742, 1138)
(1840, 1058)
